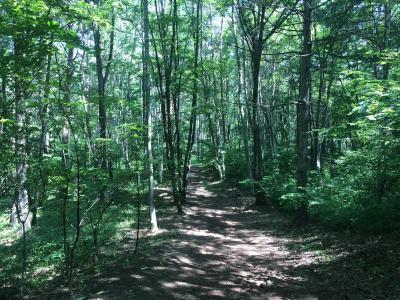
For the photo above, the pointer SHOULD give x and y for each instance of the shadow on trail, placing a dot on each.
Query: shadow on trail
(221, 248)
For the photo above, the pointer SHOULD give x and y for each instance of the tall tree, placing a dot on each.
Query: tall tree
(148, 113)
(303, 105)
(20, 85)
(193, 112)
(103, 72)
(254, 18)
(168, 84)
(241, 95)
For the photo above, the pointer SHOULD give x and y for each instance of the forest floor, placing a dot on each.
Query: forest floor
(225, 248)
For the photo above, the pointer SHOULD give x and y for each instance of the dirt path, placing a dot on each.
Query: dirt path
(222, 248)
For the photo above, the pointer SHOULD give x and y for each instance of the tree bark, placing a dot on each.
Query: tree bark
(102, 77)
(148, 119)
(303, 107)
(21, 203)
(242, 102)
(166, 71)
(193, 113)
(258, 164)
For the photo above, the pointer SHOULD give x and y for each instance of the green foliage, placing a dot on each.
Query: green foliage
(347, 199)
(236, 164)
(45, 251)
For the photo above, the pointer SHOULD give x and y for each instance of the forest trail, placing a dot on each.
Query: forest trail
(221, 248)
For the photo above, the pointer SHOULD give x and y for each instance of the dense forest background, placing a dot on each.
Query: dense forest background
(298, 102)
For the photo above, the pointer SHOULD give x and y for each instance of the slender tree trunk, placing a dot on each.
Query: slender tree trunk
(315, 153)
(242, 101)
(137, 212)
(44, 144)
(102, 77)
(65, 135)
(193, 113)
(168, 99)
(258, 164)
(148, 119)
(303, 107)
(45, 135)
(21, 169)
(161, 154)
(101, 95)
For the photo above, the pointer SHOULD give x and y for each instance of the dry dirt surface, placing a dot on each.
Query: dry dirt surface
(222, 248)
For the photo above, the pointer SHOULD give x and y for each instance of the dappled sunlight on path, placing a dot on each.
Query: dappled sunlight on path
(221, 248)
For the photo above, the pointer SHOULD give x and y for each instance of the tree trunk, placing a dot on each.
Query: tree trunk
(303, 108)
(242, 103)
(102, 77)
(258, 164)
(21, 169)
(44, 144)
(193, 113)
(166, 64)
(148, 119)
